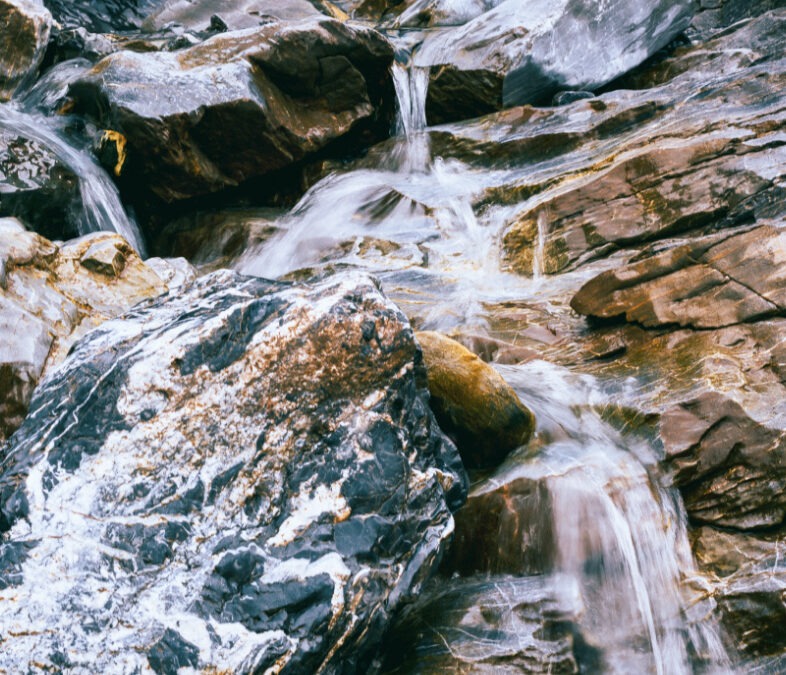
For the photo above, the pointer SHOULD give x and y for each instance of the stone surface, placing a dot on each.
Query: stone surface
(36, 186)
(246, 475)
(497, 625)
(748, 577)
(51, 295)
(519, 53)
(241, 104)
(235, 14)
(24, 33)
(721, 281)
(730, 469)
(101, 16)
(472, 403)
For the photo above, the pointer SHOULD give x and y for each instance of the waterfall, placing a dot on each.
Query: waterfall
(539, 249)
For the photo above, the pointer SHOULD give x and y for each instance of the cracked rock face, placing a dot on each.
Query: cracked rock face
(246, 476)
(721, 281)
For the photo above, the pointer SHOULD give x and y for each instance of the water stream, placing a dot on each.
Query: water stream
(101, 205)
(622, 549)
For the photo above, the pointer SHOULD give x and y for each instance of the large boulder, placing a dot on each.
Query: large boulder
(24, 33)
(51, 295)
(521, 53)
(243, 477)
(241, 104)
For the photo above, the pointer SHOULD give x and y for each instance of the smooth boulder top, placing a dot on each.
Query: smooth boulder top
(242, 475)
(473, 403)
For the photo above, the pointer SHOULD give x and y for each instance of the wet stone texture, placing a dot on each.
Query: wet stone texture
(241, 104)
(24, 32)
(246, 476)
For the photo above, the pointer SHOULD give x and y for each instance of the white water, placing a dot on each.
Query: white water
(102, 208)
(621, 538)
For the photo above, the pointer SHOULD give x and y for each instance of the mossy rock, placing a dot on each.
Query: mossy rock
(472, 402)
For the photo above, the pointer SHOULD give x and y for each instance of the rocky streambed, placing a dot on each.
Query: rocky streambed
(392, 337)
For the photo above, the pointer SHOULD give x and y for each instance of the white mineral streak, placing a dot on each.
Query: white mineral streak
(76, 565)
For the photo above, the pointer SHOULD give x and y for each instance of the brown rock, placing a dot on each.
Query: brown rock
(52, 295)
(730, 469)
(24, 33)
(711, 283)
(472, 403)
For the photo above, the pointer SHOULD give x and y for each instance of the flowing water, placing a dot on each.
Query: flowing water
(413, 219)
(101, 205)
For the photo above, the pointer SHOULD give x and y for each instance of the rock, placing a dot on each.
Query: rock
(498, 625)
(101, 16)
(287, 90)
(36, 186)
(235, 14)
(716, 282)
(216, 239)
(52, 295)
(729, 468)
(747, 576)
(174, 272)
(472, 403)
(568, 97)
(246, 476)
(433, 13)
(715, 15)
(24, 33)
(525, 53)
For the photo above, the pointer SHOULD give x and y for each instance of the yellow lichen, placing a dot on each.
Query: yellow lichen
(120, 144)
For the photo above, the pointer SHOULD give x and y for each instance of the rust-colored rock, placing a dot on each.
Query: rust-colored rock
(473, 404)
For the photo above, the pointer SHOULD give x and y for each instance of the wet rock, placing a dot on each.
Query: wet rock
(52, 294)
(101, 16)
(729, 468)
(174, 272)
(235, 15)
(36, 186)
(715, 15)
(525, 53)
(501, 625)
(433, 13)
(24, 33)
(472, 403)
(747, 575)
(715, 282)
(246, 475)
(218, 238)
(241, 104)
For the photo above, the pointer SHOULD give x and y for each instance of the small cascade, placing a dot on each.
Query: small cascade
(411, 85)
(102, 208)
(620, 537)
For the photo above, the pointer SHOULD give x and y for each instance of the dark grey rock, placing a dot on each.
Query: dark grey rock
(240, 476)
